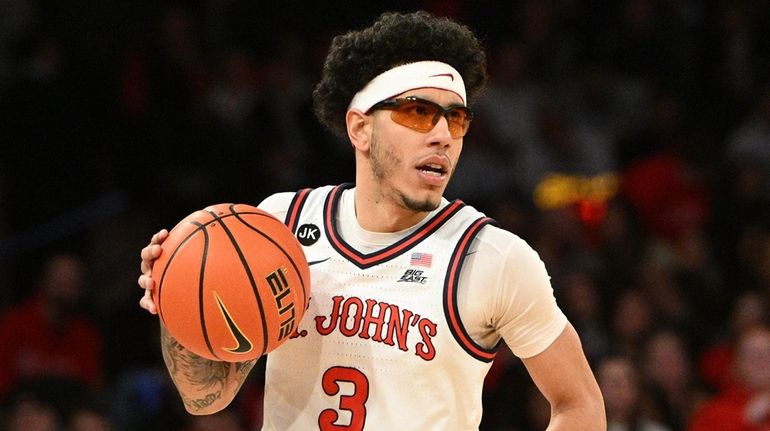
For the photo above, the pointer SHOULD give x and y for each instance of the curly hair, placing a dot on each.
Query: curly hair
(356, 57)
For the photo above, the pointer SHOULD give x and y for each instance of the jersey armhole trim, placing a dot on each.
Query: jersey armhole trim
(451, 310)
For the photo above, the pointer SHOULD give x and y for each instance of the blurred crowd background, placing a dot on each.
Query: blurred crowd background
(628, 142)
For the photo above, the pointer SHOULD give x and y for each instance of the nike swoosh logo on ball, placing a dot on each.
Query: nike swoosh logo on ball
(244, 345)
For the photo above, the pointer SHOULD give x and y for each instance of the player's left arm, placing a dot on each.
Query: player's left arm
(526, 315)
(563, 375)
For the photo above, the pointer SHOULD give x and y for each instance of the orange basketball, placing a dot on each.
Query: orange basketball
(232, 282)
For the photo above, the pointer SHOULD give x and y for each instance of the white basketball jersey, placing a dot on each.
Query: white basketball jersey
(381, 346)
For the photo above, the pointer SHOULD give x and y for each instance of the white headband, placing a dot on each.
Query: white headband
(422, 74)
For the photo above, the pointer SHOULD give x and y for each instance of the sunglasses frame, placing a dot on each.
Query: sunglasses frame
(394, 104)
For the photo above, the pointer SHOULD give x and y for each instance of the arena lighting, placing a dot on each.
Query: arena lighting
(587, 193)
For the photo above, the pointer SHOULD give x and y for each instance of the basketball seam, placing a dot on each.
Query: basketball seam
(249, 274)
(201, 297)
(294, 264)
(168, 264)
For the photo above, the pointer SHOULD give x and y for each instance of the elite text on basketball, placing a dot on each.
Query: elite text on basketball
(281, 291)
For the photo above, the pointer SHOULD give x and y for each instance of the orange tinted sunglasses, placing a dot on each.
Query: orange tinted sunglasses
(423, 115)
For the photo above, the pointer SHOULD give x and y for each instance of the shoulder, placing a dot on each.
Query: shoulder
(277, 203)
(505, 248)
(508, 263)
(511, 292)
(495, 248)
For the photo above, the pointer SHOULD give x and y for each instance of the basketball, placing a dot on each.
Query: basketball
(232, 282)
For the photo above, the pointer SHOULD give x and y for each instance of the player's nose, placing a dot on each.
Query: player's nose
(440, 133)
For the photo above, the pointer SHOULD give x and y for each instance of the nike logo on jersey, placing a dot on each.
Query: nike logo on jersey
(244, 345)
(316, 262)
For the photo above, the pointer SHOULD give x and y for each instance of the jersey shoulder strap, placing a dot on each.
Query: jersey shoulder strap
(295, 207)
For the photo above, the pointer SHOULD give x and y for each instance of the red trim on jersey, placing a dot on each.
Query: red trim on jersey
(367, 260)
(450, 294)
(292, 214)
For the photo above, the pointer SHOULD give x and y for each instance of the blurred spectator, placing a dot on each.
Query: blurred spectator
(632, 321)
(485, 175)
(715, 361)
(43, 117)
(637, 45)
(747, 155)
(233, 95)
(31, 413)
(89, 418)
(620, 384)
(604, 100)
(49, 334)
(47, 404)
(562, 145)
(620, 245)
(669, 303)
(743, 220)
(748, 150)
(735, 29)
(669, 375)
(753, 256)
(163, 80)
(146, 399)
(745, 406)
(565, 145)
(507, 110)
(113, 296)
(663, 180)
(581, 302)
(559, 238)
(513, 212)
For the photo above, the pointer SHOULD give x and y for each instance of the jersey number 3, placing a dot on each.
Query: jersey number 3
(354, 403)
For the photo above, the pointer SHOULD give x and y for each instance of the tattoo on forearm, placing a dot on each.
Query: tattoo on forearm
(243, 368)
(195, 369)
(202, 403)
(189, 369)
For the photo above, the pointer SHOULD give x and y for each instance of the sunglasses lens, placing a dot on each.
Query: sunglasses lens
(415, 115)
(458, 122)
(422, 116)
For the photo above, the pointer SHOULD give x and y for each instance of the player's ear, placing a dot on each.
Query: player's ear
(359, 127)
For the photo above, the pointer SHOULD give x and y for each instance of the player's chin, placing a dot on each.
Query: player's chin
(423, 202)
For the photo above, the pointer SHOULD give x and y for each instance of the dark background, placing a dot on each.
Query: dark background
(119, 118)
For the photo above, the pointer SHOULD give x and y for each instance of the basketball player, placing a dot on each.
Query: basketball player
(411, 293)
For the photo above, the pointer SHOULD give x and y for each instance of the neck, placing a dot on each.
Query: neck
(378, 211)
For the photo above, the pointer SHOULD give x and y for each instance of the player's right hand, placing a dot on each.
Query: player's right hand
(149, 254)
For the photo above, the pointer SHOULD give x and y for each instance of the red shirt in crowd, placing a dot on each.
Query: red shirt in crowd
(30, 346)
(727, 412)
